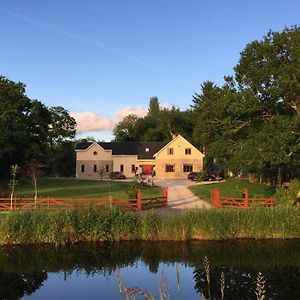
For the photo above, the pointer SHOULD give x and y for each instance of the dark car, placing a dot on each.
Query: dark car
(117, 175)
(195, 176)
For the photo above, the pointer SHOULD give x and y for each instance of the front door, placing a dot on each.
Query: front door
(147, 169)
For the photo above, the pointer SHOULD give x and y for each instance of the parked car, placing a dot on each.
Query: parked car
(209, 178)
(194, 176)
(117, 175)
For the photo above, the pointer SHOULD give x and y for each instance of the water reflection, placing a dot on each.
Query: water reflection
(24, 269)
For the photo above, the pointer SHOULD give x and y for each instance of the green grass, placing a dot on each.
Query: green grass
(81, 188)
(233, 188)
(111, 224)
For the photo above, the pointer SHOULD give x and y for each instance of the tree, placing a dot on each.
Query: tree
(124, 131)
(28, 128)
(13, 182)
(154, 108)
(32, 170)
(270, 68)
(62, 125)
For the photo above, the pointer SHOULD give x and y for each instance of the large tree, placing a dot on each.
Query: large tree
(270, 68)
(28, 128)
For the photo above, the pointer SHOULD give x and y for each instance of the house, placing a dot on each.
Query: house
(169, 160)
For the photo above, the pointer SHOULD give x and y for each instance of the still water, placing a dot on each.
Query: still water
(96, 271)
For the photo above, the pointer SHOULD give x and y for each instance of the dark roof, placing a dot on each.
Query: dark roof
(126, 148)
(153, 148)
(82, 146)
(129, 148)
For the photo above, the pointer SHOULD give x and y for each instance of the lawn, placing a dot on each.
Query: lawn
(81, 188)
(234, 188)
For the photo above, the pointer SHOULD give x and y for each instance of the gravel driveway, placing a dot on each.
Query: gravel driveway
(180, 197)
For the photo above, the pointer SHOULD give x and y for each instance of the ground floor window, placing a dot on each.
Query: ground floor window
(170, 168)
(133, 169)
(95, 168)
(106, 168)
(82, 168)
(187, 168)
(122, 168)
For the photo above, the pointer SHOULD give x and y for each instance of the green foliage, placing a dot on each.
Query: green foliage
(160, 124)
(132, 191)
(289, 196)
(110, 224)
(252, 123)
(20, 115)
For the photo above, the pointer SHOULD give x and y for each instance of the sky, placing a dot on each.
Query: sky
(104, 59)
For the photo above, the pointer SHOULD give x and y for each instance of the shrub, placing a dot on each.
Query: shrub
(290, 195)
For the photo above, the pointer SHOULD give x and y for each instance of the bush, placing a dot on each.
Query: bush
(290, 195)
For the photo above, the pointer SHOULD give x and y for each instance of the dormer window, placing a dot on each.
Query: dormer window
(147, 149)
(95, 153)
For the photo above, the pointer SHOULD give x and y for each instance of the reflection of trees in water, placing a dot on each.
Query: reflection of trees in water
(278, 260)
(14, 286)
(241, 282)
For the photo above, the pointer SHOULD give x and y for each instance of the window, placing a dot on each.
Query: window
(82, 168)
(106, 168)
(122, 168)
(170, 151)
(188, 151)
(187, 168)
(147, 149)
(170, 168)
(133, 169)
(95, 153)
(95, 168)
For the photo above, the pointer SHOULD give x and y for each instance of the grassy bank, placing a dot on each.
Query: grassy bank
(81, 188)
(233, 188)
(106, 224)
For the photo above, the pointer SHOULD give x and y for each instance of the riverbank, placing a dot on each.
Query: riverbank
(110, 224)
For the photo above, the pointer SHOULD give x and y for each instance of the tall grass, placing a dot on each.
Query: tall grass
(111, 224)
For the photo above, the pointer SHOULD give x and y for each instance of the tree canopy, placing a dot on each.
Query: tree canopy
(28, 128)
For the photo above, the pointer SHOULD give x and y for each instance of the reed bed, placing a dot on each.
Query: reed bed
(111, 224)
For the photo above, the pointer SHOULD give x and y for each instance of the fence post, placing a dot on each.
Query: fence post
(246, 201)
(139, 200)
(165, 195)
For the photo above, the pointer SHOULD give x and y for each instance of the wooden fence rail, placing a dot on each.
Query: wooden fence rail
(52, 203)
(242, 202)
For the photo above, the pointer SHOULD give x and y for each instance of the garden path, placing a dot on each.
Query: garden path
(180, 197)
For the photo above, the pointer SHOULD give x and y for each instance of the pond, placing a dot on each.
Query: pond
(97, 271)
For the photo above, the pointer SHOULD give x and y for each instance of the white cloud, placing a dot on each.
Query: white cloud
(125, 111)
(91, 121)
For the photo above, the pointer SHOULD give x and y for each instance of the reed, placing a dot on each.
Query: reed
(112, 224)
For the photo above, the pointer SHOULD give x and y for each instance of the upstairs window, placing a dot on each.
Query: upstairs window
(188, 151)
(170, 168)
(147, 149)
(170, 151)
(95, 153)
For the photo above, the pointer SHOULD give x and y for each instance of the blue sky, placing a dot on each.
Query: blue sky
(101, 59)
